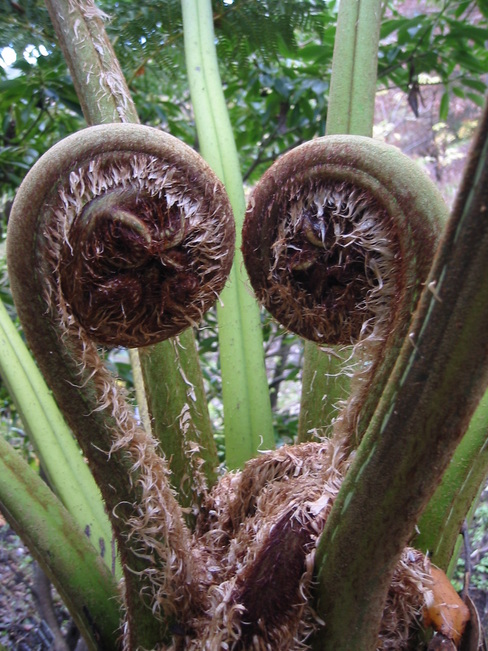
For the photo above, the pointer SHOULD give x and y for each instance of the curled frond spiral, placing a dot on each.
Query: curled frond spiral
(144, 238)
(338, 239)
(324, 235)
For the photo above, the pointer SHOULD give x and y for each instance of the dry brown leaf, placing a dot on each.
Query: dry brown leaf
(445, 611)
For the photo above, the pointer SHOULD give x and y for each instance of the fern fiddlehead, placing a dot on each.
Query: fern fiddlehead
(112, 207)
(135, 270)
(338, 239)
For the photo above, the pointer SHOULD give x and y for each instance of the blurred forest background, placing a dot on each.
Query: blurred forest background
(275, 58)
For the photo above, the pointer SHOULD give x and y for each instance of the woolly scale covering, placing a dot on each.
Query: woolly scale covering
(256, 537)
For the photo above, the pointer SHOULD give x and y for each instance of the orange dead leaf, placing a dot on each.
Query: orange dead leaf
(444, 609)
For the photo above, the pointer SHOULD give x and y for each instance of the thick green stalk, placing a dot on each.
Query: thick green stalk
(442, 520)
(247, 409)
(440, 377)
(324, 386)
(141, 398)
(96, 73)
(354, 68)
(66, 471)
(350, 111)
(66, 555)
(193, 455)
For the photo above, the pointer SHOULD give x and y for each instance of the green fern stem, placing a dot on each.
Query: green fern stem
(442, 521)
(325, 384)
(354, 68)
(65, 469)
(193, 466)
(96, 73)
(247, 409)
(467, 470)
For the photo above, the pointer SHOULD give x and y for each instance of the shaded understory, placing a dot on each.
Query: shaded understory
(22, 626)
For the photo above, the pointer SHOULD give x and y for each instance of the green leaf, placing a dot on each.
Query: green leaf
(475, 84)
(316, 53)
(410, 30)
(479, 100)
(388, 27)
(463, 5)
(483, 7)
(444, 107)
(464, 30)
(471, 62)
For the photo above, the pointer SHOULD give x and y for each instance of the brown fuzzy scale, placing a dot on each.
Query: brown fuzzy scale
(140, 261)
(256, 537)
(267, 589)
(320, 256)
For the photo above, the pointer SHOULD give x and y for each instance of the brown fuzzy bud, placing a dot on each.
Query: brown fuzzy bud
(332, 235)
(143, 229)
